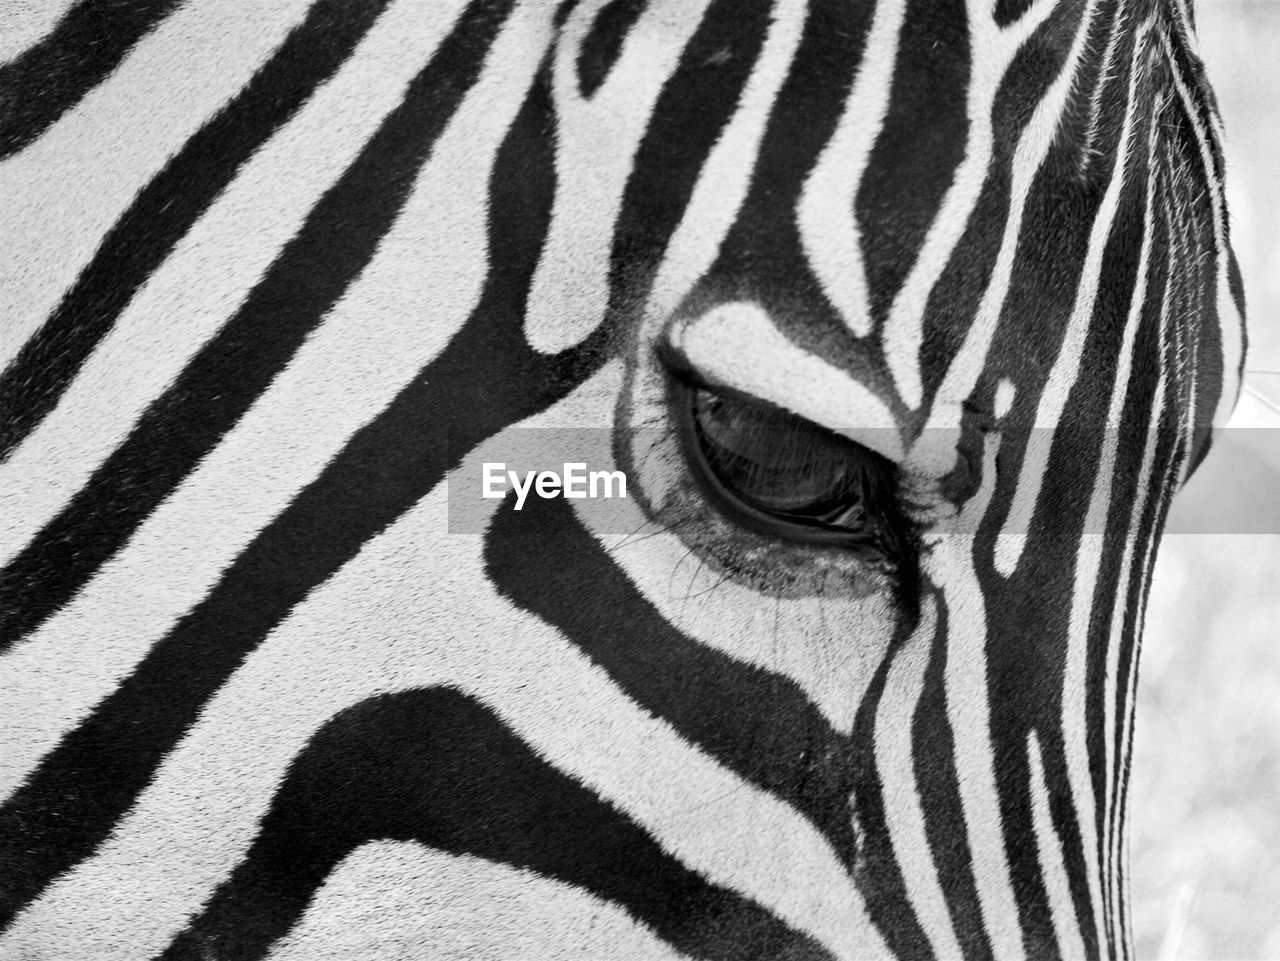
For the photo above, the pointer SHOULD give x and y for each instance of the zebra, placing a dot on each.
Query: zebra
(904, 320)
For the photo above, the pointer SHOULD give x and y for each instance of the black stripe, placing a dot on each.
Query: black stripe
(603, 44)
(438, 768)
(335, 244)
(1013, 781)
(756, 722)
(879, 875)
(1235, 283)
(1007, 11)
(1207, 363)
(953, 302)
(918, 148)
(940, 802)
(764, 244)
(49, 79)
(1066, 824)
(164, 211)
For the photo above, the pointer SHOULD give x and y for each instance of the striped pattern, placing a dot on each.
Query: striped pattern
(275, 273)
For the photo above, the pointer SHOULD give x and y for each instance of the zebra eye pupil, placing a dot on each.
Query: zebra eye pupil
(798, 478)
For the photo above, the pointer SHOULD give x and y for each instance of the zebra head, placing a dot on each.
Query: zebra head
(908, 324)
(903, 322)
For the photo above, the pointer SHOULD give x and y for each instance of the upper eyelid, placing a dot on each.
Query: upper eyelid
(736, 348)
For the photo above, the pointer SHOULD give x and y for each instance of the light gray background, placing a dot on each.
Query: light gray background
(1205, 817)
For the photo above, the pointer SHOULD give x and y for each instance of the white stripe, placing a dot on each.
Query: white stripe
(1231, 324)
(64, 191)
(1066, 368)
(1184, 247)
(212, 269)
(596, 143)
(376, 627)
(1006, 391)
(389, 901)
(1185, 27)
(24, 23)
(1053, 858)
(826, 215)
(1119, 20)
(992, 51)
(1120, 609)
(1100, 506)
(936, 451)
(895, 764)
(949, 563)
(736, 345)
(350, 368)
(722, 185)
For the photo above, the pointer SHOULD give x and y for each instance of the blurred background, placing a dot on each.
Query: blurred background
(1205, 819)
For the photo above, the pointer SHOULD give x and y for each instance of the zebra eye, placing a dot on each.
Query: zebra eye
(789, 477)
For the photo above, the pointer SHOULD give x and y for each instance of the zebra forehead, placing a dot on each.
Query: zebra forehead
(880, 181)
